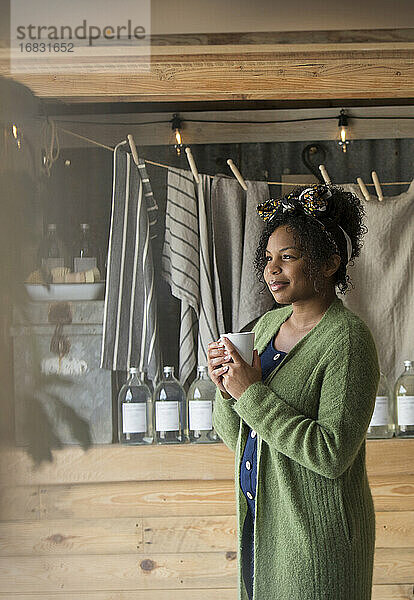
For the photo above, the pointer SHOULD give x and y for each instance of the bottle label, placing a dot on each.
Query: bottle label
(166, 416)
(201, 415)
(134, 417)
(52, 263)
(83, 264)
(405, 410)
(380, 414)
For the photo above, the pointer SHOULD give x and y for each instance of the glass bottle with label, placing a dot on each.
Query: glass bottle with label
(135, 410)
(382, 421)
(200, 398)
(169, 410)
(52, 252)
(404, 401)
(85, 254)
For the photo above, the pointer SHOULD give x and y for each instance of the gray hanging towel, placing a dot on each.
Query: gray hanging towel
(180, 261)
(228, 214)
(383, 277)
(187, 266)
(212, 249)
(236, 232)
(130, 329)
(208, 321)
(252, 301)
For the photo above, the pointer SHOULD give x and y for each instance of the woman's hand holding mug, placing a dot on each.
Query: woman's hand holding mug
(229, 371)
(218, 356)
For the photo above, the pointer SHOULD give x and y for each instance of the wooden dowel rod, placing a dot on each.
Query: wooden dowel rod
(325, 175)
(377, 184)
(363, 189)
(192, 164)
(237, 173)
(133, 148)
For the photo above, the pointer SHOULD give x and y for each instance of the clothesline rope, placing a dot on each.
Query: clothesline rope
(157, 164)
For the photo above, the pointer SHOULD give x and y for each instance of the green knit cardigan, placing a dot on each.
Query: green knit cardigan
(315, 522)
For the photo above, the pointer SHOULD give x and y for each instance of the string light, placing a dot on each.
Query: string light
(176, 124)
(343, 133)
(176, 127)
(165, 166)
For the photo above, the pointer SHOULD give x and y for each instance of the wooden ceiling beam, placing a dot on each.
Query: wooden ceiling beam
(258, 68)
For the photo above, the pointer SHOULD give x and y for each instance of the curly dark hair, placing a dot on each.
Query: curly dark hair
(344, 209)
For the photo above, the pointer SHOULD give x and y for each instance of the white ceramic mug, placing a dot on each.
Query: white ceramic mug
(244, 344)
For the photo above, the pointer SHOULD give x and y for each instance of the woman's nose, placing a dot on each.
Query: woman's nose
(273, 267)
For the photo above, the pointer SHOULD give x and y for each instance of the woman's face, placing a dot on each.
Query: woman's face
(285, 263)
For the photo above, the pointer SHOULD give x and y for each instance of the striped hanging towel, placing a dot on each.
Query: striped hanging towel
(186, 266)
(130, 328)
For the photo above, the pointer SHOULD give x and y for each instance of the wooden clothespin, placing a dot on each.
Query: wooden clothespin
(133, 148)
(192, 164)
(237, 173)
(363, 189)
(377, 186)
(325, 175)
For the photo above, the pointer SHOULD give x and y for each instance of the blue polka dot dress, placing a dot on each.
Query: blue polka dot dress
(269, 359)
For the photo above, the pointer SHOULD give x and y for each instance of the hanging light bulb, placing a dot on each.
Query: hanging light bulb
(16, 135)
(343, 132)
(176, 127)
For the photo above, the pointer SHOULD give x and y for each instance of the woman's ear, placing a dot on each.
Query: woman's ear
(331, 265)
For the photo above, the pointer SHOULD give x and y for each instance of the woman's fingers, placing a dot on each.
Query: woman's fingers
(217, 355)
(231, 349)
(220, 360)
(214, 354)
(220, 370)
(216, 350)
(216, 375)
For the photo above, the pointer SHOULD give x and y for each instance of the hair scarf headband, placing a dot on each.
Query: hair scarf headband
(312, 201)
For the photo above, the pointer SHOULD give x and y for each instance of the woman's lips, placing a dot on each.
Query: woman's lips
(277, 286)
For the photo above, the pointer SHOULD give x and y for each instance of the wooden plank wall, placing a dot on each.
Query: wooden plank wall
(158, 523)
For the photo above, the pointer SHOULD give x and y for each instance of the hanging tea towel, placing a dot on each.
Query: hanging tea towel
(186, 266)
(130, 329)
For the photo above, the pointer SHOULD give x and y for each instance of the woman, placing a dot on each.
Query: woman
(297, 417)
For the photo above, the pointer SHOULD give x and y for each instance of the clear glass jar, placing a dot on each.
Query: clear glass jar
(169, 410)
(404, 401)
(52, 251)
(382, 421)
(84, 251)
(200, 399)
(135, 410)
